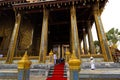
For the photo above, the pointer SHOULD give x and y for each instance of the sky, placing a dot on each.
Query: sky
(110, 17)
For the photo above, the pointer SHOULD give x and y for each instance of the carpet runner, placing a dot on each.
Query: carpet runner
(58, 72)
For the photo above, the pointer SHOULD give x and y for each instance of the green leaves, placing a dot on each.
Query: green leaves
(96, 43)
(113, 35)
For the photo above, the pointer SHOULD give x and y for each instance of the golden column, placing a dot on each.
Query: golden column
(63, 56)
(80, 47)
(74, 66)
(74, 32)
(59, 52)
(12, 45)
(24, 68)
(85, 42)
(101, 34)
(44, 37)
(90, 38)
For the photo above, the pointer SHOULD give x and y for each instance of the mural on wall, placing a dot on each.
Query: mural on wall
(26, 35)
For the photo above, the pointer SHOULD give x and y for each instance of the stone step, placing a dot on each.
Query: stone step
(50, 72)
(96, 76)
(58, 69)
(101, 65)
(100, 73)
(83, 74)
(33, 66)
(50, 75)
(48, 66)
(53, 70)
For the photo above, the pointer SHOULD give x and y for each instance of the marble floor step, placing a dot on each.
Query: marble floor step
(57, 73)
(57, 70)
(50, 75)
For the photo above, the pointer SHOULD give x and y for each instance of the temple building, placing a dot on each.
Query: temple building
(41, 25)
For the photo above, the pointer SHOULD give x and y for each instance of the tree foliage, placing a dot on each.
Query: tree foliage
(96, 43)
(113, 36)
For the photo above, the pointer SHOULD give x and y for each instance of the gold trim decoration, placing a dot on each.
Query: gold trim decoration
(24, 63)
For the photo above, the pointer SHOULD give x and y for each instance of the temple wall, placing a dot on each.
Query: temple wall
(24, 38)
(6, 27)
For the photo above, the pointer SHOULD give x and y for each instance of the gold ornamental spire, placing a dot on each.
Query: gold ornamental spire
(67, 52)
(24, 63)
(74, 63)
(51, 53)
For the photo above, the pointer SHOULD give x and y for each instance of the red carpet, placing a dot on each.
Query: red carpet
(58, 73)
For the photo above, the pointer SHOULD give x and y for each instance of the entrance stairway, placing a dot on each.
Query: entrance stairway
(57, 72)
(103, 71)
